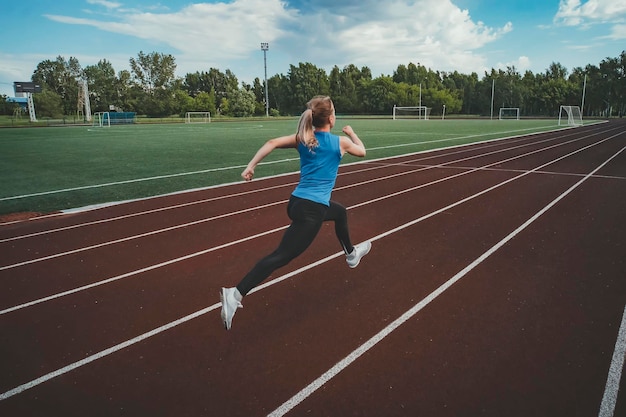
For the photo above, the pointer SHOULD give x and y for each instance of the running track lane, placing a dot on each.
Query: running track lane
(530, 328)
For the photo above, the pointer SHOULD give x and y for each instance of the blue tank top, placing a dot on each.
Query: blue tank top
(318, 168)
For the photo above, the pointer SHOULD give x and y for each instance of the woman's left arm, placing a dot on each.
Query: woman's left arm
(352, 144)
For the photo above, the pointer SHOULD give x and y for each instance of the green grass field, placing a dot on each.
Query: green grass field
(55, 168)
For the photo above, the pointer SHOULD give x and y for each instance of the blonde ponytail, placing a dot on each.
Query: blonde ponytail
(317, 114)
(305, 133)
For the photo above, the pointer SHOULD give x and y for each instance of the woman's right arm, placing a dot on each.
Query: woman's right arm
(281, 142)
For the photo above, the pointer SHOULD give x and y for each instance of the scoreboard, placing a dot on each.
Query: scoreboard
(26, 87)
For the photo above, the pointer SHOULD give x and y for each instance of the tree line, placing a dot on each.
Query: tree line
(151, 88)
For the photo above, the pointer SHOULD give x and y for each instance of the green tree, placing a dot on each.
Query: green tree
(529, 88)
(510, 86)
(556, 71)
(444, 97)
(465, 87)
(204, 102)
(242, 103)
(401, 74)
(552, 94)
(61, 77)
(305, 81)
(258, 89)
(344, 87)
(128, 93)
(50, 74)
(153, 71)
(153, 74)
(614, 73)
(196, 83)
(379, 95)
(220, 83)
(278, 92)
(151, 88)
(5, 106)
(183, 102)
(48, 104)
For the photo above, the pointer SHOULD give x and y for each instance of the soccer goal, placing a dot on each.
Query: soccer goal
(198, 117)
(411, 112)
(509, 113)
(570, 116)
(101, 119)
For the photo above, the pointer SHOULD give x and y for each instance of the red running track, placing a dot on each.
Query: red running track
(495, 287)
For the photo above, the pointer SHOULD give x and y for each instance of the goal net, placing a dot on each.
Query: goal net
(411, 112)
(102, 119)
(509, 113)
(198, 117)
(570, 116)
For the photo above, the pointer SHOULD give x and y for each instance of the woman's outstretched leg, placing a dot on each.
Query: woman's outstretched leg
(307, 218)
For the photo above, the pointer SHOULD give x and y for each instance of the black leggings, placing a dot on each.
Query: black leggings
(306, 220)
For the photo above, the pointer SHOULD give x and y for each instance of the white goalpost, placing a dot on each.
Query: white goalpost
(411, 112)
(509, 113)
(198, 117)
(570, 116)
(102, 119)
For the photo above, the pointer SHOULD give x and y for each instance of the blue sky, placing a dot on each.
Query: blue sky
(446, 35)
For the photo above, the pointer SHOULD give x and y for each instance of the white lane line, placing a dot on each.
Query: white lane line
(456, 150)
(357, 353)
(132, 273)
(337, 368)
(154, 232)
(158, 177)
(474, 145)
(138, 271)
(427, 216)
(259, 190)
(181, 174)
(146, 212)
(154, 332)
(103, 353)
(163, 230)
(609, 399)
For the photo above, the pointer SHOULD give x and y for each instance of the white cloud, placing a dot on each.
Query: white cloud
(618, 32)
(105, 3)
(227, 30)
(575, 12)
(12, 67)
(435, 33)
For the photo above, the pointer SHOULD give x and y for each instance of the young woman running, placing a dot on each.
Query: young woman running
(310, 204)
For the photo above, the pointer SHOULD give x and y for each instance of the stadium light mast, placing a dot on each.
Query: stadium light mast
(493, 89)
(265, 47)
(420, 94)
(582, 104)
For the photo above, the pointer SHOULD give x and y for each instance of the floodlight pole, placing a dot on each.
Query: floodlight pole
(265, 47)
(420, 94)
(493, 89)
(582, 105)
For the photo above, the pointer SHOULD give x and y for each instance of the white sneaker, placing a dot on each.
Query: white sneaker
(230, 304)
(357, 253)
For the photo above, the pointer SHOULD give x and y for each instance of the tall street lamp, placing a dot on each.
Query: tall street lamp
(265, 47)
